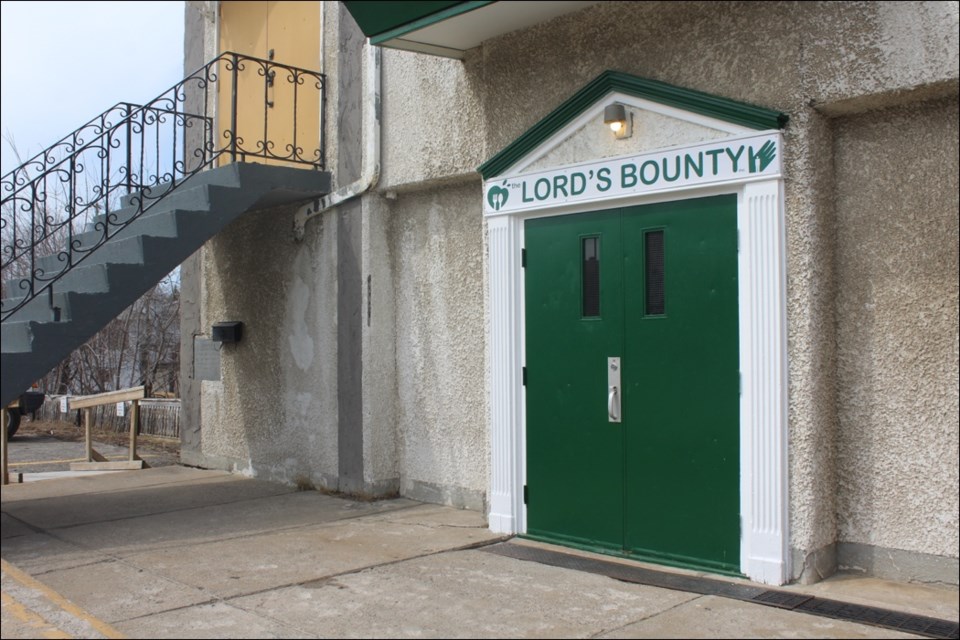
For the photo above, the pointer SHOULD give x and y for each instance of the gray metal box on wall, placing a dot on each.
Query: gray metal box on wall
(227, 331)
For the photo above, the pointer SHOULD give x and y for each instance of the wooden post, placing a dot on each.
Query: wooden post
(134, 422)
(3, 440)
(88, 437)
(95, 460)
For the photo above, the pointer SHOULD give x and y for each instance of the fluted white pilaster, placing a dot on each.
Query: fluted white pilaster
(504, 356)
(763, 366)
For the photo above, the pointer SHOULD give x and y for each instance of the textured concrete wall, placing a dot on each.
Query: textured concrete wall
(811, 288)
(274, 414)
(437, 251)
(897, 327)
(868, 55)
(347, 77)
(811, 60)
(422, 248)
(432, 119)
(381, 474)
(782, 55)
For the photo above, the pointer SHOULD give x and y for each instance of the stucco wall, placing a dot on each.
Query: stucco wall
(811, 60)
(436, 246)
(424, 388)
(897, 327)
(379, 338)
(275, 412)
(432, 120)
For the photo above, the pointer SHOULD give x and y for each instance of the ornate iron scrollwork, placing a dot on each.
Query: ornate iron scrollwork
(109, 172)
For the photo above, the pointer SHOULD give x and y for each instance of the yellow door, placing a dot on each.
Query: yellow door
(277, 116)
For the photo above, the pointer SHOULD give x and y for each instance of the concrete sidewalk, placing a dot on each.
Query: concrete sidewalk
(186, 553)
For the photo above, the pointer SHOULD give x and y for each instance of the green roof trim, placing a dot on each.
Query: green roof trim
(740, 113)
(440, 16)
(384, 21)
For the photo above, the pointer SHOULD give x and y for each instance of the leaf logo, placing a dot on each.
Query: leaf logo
(497, 197)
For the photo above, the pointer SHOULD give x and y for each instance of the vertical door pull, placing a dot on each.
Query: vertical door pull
(613, 389)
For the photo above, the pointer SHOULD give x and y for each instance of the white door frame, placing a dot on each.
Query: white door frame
(763, 365)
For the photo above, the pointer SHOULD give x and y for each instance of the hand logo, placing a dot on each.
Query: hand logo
(766, 155)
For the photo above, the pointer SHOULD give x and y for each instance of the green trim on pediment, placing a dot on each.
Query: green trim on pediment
(740, 113)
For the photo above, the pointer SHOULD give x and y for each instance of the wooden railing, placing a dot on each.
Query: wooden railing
(158, 416)
(95, 461)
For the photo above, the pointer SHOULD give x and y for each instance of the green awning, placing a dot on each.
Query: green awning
(449, 29)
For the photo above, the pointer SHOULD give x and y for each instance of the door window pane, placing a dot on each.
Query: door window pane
(653, 250)
(590, 274)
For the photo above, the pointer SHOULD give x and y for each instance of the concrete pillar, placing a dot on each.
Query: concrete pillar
(811, 291)
(199, 36)
(379, 376)
(350, 315)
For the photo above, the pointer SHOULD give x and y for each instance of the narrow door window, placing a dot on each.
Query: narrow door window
(655, 295)
(590, 274)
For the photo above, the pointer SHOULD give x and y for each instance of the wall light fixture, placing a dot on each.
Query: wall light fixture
(620, 122)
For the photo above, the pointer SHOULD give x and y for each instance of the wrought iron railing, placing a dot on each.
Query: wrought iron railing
(74, 140)
(234, 108)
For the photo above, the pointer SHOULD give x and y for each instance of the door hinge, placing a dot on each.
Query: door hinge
(523, 376)
(740, 381)
(526, 494)
(738, 240)
(523, 258)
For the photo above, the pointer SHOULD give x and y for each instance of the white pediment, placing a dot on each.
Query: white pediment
(655, 126)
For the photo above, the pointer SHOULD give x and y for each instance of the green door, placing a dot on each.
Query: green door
(649, 468)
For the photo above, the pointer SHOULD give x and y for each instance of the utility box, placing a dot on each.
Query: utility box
(226, 332)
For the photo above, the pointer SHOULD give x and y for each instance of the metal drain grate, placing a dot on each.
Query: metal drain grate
(920, 625)
(782, 599)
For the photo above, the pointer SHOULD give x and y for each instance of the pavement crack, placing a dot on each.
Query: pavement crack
(23, 522)
(171, 545)
(645, 618)
(327, 578)
(428, 525)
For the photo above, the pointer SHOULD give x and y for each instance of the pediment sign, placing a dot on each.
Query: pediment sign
(679, 138)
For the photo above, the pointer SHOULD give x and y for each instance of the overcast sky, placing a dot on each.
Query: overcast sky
(62, 63)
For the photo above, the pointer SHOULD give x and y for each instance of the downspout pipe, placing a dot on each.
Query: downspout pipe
(371, 150)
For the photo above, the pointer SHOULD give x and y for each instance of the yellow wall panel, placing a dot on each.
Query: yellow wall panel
(282, 114)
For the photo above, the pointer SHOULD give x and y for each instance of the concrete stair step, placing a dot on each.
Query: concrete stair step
(40, 309)
(16, 337)
(114, 275)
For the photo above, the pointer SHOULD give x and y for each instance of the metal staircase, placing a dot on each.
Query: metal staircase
(96, 220)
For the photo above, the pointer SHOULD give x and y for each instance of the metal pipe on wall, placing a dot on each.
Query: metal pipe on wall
(371, 149)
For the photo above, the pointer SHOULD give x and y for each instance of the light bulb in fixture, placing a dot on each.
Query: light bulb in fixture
(617, 117)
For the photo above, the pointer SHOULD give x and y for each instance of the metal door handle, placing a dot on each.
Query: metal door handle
(613, 387)
(611, 407)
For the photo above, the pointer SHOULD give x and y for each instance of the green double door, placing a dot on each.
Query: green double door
(632, 381)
